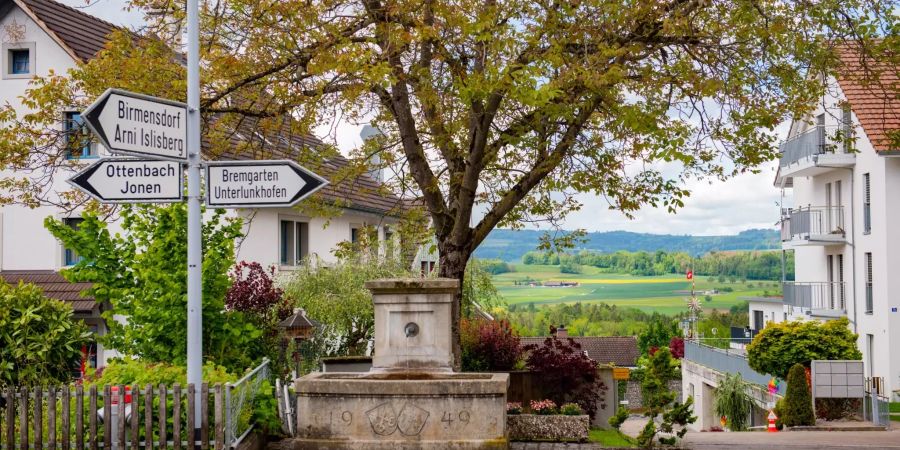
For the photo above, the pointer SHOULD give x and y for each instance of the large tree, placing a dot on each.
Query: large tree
(499, 112)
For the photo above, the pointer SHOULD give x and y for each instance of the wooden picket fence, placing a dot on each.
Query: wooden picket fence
(68, 418)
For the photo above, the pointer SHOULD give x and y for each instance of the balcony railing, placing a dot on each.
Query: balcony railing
(815, 141)
(828, 296)
(725, 361)
(813, 221)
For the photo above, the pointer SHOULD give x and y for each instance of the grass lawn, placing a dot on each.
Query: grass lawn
(610, 438)
(894, 407)
(665, 294)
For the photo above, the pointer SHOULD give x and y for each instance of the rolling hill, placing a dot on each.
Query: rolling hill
(510, 245)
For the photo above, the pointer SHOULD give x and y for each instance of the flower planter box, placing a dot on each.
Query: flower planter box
(533, 427)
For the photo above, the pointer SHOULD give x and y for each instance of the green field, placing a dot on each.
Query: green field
(665, 294)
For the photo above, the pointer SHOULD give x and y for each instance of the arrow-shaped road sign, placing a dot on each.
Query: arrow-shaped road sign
(136, 124)
(255, 184)
(117, 180)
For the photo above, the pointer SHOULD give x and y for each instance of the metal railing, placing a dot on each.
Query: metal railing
(827, 295)
(815, 141)
(239, 398)
(725, 361)
(742, 335)
(804, 222)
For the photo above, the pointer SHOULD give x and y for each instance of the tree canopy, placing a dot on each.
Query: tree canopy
(779, 346)
(506, 107)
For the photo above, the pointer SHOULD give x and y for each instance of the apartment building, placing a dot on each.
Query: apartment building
(839, 173)
(40, 36)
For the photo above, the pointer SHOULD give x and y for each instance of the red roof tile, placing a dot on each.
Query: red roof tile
(619, 350)
(55, 287)
(872, 88)
(83, 33)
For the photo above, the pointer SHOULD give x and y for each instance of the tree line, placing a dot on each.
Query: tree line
(747, 265)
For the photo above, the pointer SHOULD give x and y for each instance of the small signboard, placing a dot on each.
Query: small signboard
(136, 124)
(118, 180)
(256, 184)
(621, 373)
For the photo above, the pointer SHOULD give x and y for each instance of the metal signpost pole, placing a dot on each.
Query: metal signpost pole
(194, 256)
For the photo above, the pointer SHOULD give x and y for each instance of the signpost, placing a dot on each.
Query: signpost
(135, 124)
(131, 181)
(255, 184)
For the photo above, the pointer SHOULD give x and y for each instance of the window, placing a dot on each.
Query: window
(78, 139)
(840, 280)
(867, 204)
(354, 235)
(759, 321)
(293, 242)
(869, 307)
(388, 243)
(19, 60)
(70, 258)
(847, 128)
(870, 350)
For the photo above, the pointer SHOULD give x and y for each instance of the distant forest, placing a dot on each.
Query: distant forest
(759, 265)
(511, 245)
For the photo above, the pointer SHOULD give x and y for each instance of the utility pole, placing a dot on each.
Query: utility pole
(194, 246)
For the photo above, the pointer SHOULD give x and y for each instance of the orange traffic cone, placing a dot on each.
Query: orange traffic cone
(772, 418)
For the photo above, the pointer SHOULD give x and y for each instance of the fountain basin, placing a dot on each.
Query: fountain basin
(412, 410)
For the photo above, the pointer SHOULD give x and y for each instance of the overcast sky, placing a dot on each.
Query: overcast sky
(714, 208)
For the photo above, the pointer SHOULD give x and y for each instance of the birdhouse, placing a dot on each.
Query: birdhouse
(298, 326)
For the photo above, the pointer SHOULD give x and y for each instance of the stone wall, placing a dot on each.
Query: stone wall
(633, 393)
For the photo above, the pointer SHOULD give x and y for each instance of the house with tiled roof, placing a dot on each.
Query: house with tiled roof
(839, 174)
(40, 36)
(619, 351)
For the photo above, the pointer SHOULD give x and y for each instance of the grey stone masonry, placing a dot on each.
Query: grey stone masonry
(633, 393)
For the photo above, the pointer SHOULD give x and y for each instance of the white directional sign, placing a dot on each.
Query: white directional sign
(117, 180)
(137, 124)
(253, 184)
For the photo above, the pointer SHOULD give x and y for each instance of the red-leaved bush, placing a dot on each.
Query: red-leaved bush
(253, 291)
(676, 346)
(489, 345)
(568, 374)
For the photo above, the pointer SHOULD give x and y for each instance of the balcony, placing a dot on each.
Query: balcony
(826, 299)
(814, 152)
(813, 225)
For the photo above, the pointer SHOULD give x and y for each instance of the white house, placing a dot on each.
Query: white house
(844, 206)
(42, 35)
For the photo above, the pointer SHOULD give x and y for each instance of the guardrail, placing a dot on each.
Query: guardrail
(725, 361)
(829, 296)
(804, 222)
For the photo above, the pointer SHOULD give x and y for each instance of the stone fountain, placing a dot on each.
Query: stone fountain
(411, 398)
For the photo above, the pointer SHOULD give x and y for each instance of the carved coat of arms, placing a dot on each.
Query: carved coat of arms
(385, 420)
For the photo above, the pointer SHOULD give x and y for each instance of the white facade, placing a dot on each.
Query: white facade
(26, 245)
(833, 243)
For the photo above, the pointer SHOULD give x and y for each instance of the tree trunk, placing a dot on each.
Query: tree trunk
(452, 264)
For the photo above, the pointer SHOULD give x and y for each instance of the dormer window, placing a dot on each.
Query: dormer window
(18, 60)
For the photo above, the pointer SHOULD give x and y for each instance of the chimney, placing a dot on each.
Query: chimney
(369, 132)
(562, 332)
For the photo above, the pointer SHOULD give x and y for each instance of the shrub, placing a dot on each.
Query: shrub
(797, 400)
(618, 418)
(676, 346)
(781, 345)
(658, 333)
(40, 341)
(543, 407)
(514, 408)
(837, 408)
(568, 374)
(570, 409)
(659, 400)
(489, 345)
(733, 401)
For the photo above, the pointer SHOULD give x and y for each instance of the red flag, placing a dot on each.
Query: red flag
(690, 274)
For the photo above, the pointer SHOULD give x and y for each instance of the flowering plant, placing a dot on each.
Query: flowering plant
(570, 409)
(514, 408)
(543, 407)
